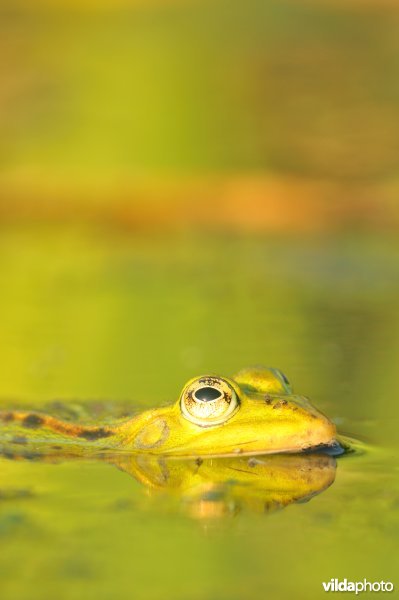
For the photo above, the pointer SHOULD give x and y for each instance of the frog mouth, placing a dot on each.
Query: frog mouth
(332, 449)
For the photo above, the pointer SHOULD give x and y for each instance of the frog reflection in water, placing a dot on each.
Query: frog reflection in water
(251, 414)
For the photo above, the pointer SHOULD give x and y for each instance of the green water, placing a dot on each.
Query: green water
(96, 314)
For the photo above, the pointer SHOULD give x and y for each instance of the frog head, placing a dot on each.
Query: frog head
(253, 412)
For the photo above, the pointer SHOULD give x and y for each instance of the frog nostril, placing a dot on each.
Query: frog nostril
(207, 394)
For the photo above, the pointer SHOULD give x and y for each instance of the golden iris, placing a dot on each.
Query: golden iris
(208, 401)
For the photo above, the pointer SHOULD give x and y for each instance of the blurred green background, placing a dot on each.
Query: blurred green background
(189, 187)
(284, 110)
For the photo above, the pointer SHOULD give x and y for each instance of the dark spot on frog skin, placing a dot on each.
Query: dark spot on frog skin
(32, 456)
(57, 447)
(268, 399)
(94, 434)
(198, 461)
(280, 404)
(19, 439)
(8, 454)
(33, 421)
(8, 417)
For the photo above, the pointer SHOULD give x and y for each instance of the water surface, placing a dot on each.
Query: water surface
(96, 314)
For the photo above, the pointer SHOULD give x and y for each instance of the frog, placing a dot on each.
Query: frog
(254, 412)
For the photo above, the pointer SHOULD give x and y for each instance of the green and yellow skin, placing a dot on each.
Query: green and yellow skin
(215, 428)
(252, 413)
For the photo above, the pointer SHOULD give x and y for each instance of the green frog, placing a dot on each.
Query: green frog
(252, 413)
(226, 445)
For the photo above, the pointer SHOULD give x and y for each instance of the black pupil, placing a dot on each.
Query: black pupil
(206, 394)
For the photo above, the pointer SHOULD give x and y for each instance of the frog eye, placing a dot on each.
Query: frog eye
(208, 401)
